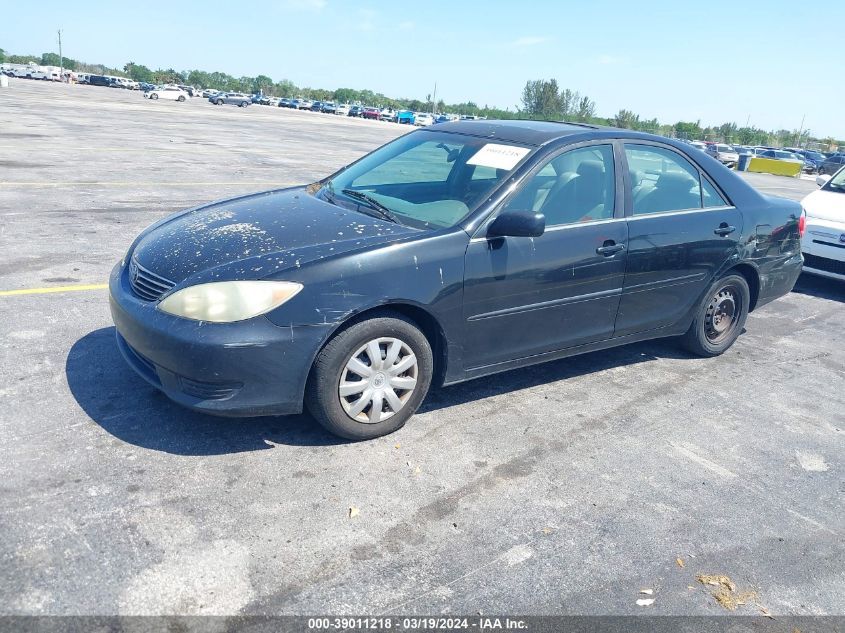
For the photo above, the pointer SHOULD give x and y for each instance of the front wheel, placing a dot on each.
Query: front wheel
(720, 318)
(244, 104)
(219, 102)
(181, 98)
(370, 378)
(154, 96)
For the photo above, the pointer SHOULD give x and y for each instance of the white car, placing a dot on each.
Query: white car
(173, 93)
(423, 118)
(823, 243)
(342, 109)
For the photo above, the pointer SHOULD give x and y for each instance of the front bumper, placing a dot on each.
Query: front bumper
(824, 250)
(248, 368)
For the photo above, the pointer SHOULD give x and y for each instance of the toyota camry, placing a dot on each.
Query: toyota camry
(448, 254)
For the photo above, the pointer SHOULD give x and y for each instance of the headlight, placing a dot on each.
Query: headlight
(228, 301)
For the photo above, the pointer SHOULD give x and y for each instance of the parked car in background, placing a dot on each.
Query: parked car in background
(779, 154)
(342, 109)
(328, 107)
(725, 154)
(144, 86)
(231, 98)
(387, 114)
(823, 244)
(209, 92)
(371, 113)
(699, 145)
(304, 104)
(190, 90)
(356, 111)
(815, 159)
(457, 269)
(405, 116)
(423, 119)
(316, 106)
(832, 164)
(170, 93)
(284, 102)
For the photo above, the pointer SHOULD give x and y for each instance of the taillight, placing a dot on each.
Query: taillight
(802, 223)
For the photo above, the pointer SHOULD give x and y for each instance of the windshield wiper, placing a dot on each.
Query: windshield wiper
(372, 203)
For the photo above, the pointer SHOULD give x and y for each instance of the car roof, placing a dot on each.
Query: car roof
(527, 132)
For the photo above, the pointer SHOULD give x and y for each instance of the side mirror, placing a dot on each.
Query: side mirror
(517, 224)
(821, 180)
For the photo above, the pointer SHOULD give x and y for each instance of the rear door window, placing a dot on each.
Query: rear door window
(663, 180)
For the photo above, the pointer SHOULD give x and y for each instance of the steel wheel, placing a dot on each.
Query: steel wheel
(378, 380)
(723, 312)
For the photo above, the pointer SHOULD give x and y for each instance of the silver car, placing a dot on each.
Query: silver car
(232, 98)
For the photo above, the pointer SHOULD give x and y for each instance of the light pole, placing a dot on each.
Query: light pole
(61, 59)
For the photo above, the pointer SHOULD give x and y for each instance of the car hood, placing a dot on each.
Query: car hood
(258, 235)
(825, 205)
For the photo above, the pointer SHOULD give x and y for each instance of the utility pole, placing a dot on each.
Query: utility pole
(434, 99)
(801, 129)
(61, 59)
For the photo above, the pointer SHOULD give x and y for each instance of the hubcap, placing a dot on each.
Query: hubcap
(722, 315)
(378, 380)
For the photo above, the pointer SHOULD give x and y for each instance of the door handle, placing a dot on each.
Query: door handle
(609, 249)
(724, 229)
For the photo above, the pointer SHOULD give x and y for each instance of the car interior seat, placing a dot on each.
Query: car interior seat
(582, 197)
(673, 191)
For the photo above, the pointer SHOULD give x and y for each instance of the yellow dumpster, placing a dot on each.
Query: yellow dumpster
(774, 166)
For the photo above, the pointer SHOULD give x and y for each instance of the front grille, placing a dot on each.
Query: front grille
(147, 285)
(823, 263)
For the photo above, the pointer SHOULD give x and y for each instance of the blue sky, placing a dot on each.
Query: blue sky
(758, 61)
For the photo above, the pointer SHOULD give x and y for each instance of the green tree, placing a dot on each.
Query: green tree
(2, 56)
(23, 59)
(626, 119)
(541, 98)
(138, 72)
(586, 109)
(52, 59)
(688, 131)
(567, 103)
(262, 84)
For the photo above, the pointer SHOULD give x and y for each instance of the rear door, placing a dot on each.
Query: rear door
(681, 231)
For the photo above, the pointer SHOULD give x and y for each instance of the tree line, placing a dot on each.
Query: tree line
(541, 99)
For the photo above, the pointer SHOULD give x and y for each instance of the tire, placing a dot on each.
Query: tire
(354, 347)
(181, 98)
(720, 317)
(243, 104)
(219, 102)
(154, 96)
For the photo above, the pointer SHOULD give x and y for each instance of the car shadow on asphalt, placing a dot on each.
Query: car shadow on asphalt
(821, 287)
(128, 408)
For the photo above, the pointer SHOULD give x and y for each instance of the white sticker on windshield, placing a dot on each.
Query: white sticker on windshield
(498, 156)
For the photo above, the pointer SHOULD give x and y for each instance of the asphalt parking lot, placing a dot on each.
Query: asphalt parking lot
(563, 488)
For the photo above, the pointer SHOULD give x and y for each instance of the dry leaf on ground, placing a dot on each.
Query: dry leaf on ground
(353, 512)
(680, 562)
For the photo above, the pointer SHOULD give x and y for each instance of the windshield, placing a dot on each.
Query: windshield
(837, 183)
(424, 179)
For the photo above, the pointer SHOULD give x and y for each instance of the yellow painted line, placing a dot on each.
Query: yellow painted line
(49, 290)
